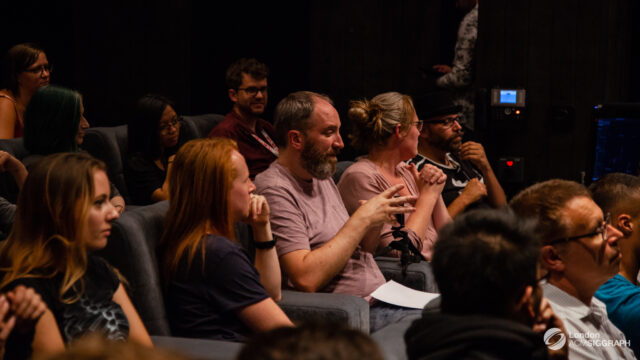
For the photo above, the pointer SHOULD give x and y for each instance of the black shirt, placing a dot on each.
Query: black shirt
(203, 302)
(143, 178)
(458, 175)
(95, 311)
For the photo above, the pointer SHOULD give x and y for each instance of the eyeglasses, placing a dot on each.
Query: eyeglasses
(40, 69)
(174, 123)
(253, 91)
(419, 124)
(601, 230)
(446, 122)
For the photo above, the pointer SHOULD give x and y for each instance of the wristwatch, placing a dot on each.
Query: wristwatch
(265, 245)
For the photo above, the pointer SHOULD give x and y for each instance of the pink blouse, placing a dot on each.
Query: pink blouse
(362, 181)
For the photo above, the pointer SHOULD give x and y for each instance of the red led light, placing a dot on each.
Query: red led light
(509, 163)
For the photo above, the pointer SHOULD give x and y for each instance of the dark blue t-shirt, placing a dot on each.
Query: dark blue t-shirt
(203, 301)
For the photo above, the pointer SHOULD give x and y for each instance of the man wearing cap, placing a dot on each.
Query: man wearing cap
(471, 182)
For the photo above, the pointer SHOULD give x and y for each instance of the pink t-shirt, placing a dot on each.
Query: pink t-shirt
(362, 181)
(306, 215)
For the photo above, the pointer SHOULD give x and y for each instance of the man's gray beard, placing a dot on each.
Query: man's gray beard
(320, 166)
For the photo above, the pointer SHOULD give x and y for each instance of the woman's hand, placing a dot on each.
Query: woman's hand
(430, 178)
(9, 163)
(258, 211)
(6, 322)
(27, 306)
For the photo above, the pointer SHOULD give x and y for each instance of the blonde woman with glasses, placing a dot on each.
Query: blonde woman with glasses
(387, 128)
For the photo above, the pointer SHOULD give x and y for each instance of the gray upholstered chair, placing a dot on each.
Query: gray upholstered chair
(131, 249)
(109, 144)
(340, 168)
(199, 348)
(419, 276)
(390, 339)
(199, 126)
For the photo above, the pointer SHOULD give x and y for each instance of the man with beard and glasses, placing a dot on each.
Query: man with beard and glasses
(247, 83)
(471, 182)
(317, 242)
(579, 253)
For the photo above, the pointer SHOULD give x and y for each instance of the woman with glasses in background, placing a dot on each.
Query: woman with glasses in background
(387, 128)
(26, 70)
(153, 135)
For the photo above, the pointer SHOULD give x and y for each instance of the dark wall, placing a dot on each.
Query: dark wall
(274, 32)
(569, 56)
(362, 48)
(112, 52)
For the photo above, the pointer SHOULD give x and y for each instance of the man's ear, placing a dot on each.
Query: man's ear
(233, 95)
(624, 223)
(295, 139)
(551, 259)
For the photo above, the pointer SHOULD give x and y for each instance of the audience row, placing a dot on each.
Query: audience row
(514, 282)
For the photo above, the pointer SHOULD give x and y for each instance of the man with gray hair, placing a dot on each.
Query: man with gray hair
(579, 253)
(318, 244)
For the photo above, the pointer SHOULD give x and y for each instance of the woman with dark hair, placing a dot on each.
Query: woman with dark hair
(55, 122)
(153, 135)
(63, 215)
(387, 127)
(27, 69)
(212, 289)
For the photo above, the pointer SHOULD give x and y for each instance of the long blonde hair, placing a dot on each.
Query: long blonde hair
(199, 183)
(46, 236)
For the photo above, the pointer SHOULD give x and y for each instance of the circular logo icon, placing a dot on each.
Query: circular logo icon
(554, 338)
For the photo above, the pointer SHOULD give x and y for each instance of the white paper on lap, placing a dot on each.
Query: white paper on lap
(397, 294)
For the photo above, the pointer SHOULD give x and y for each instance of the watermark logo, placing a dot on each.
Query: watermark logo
(554, 338)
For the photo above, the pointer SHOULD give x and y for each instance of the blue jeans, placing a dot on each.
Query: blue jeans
(382, 314)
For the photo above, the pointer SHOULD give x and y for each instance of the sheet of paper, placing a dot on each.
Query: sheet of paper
(398, 294)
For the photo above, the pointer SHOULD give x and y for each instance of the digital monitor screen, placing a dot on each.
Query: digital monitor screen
(508, 96)
(617, 146)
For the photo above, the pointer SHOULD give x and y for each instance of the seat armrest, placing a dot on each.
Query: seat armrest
(199, 348)
(390, 339)
(349, 309)
(419, 275)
